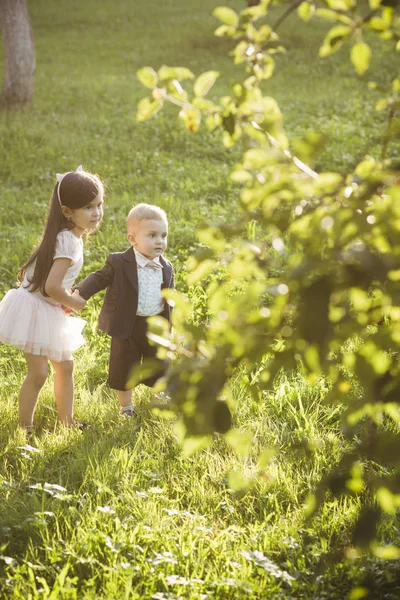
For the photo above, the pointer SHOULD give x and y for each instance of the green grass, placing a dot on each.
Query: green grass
(135, 518)
(135, 513)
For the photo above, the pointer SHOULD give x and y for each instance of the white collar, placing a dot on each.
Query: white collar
(142, 261)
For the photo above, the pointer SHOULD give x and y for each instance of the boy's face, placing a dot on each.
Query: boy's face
(149, 237)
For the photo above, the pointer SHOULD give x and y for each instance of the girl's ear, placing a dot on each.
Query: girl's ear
(67, 212)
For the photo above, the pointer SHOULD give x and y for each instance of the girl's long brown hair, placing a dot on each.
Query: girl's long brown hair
(77, 190)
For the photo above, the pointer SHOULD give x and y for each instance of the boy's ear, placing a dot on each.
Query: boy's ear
(131, 238)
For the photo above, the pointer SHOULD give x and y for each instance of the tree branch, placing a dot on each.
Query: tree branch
(287, 13)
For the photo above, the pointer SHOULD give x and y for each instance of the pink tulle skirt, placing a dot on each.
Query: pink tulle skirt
(33, 325)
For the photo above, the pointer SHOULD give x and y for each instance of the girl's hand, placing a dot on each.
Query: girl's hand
(55, 290)
(81, 301)
(67, 309)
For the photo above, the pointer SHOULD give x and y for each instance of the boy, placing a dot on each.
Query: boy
(134, 280)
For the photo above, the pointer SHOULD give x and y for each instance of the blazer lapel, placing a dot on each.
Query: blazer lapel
(166, 272)
(130, 267)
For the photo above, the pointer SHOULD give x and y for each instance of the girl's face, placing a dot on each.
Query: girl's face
(149, 237)
(88, 217)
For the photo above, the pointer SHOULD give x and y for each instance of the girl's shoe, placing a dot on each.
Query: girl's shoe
(81, 426)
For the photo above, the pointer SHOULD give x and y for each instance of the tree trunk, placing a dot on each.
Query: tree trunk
(19, 52)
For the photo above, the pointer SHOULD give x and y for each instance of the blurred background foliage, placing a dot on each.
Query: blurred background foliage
(307, 276)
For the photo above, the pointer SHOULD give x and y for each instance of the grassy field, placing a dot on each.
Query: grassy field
(119, 512)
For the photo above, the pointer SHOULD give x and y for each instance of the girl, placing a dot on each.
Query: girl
(34, 316)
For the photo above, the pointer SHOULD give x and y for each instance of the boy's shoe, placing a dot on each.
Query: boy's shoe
(128, 411)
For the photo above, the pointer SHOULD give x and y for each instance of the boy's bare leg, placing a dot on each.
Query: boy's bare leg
(125, 397)
(125, 400)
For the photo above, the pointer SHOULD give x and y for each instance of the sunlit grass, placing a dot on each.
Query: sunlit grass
(125, 508)
(119, 511)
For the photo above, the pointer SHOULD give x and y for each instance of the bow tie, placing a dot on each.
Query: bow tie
(152, 265)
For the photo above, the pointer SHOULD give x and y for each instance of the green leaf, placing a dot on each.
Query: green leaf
(387, 552)
(366, 167)
(191, 116)
(360, 299)
(253, 12)
(331, 15)
(202, 271)
(178, 301)
(360, 57)
(305, 11)
(226, 15)
(310, 505)
(340, 4)
(389, 502)
(237, 481)
(192, 444)
(256, 158)
(147, 368)
(394, 275)
(358, 593)
(381, 105)
(213, 121)
(378, 24)
(147, 108)
(204, 82)
(334, 39)
(265, 458)
(240, 441)
(203, 104)
(175, 90)
(147, 76)
(179, 73)
(378, 359)
(311, 358)
(309, 146)
(225, 30)
(326, 182)
(261, 35)
(242, 176)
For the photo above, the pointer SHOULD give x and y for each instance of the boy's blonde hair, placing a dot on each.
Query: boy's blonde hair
(145, 211)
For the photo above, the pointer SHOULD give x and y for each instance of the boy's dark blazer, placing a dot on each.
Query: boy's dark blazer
(119, 276)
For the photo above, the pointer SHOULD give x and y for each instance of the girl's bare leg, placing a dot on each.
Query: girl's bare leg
(38, 370)
(64, 390)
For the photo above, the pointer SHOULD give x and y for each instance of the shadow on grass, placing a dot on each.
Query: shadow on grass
(47, 480)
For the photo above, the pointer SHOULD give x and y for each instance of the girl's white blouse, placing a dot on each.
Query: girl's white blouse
(68, 245)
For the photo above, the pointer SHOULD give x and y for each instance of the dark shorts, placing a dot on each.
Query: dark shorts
(128, 353)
